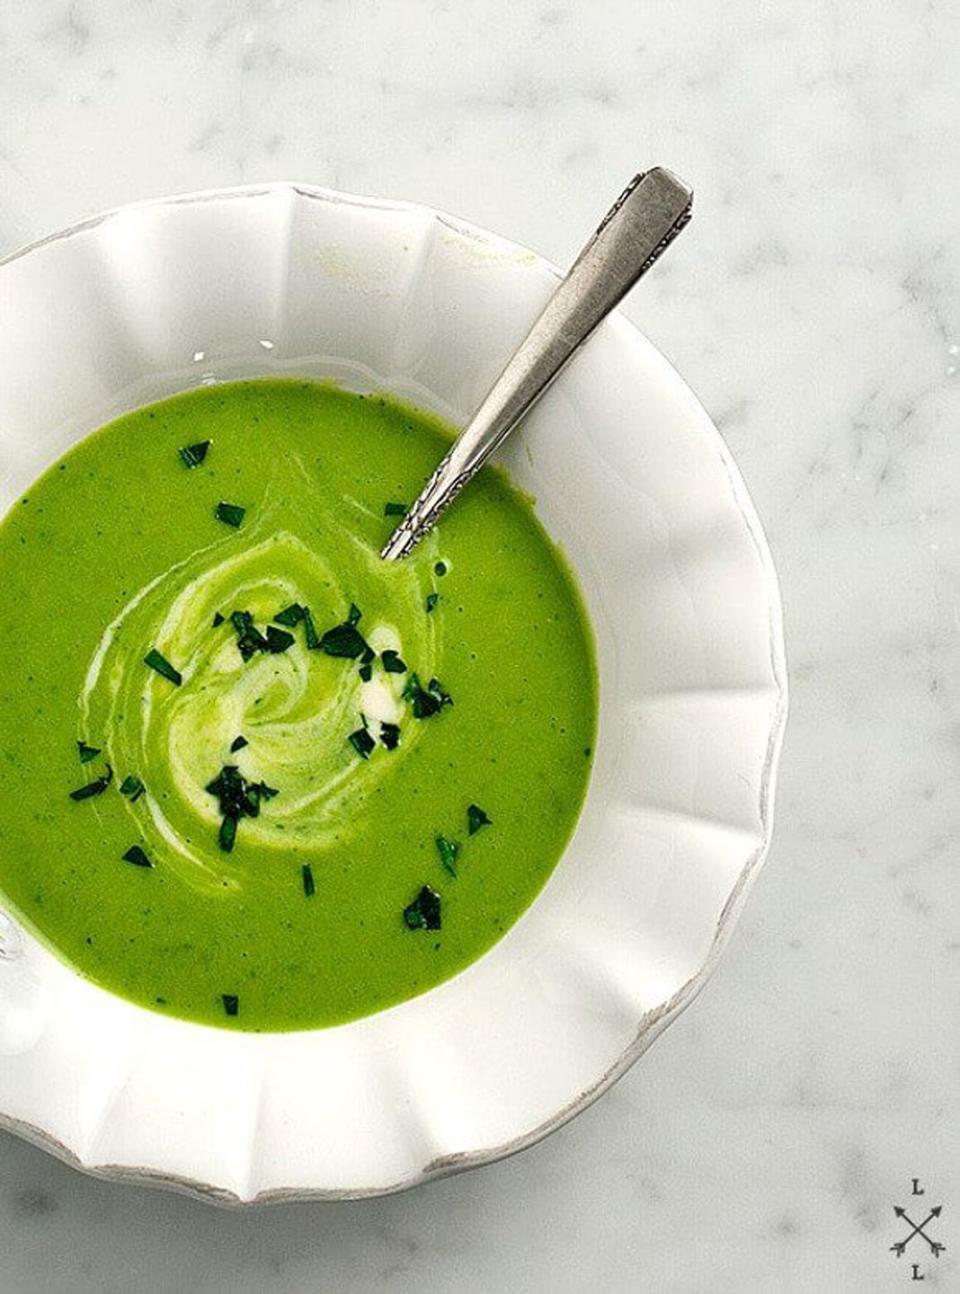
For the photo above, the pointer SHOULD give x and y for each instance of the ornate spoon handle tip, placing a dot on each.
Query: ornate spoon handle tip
(636, 231)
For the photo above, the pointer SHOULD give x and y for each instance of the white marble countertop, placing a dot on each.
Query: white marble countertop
(815, 306)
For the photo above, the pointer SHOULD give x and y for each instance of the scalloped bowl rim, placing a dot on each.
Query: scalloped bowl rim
(651, 1023)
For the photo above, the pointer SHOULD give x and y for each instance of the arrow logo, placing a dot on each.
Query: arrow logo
(917, 1229)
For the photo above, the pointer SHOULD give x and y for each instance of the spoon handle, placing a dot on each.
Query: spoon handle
(639, 227)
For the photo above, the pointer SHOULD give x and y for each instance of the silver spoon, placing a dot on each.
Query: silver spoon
(635, 232)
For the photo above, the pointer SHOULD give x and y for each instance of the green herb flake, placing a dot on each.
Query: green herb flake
(476, 818)
(394, 509)
(193, 455)
(311, 637)
(227, 834)
(344, 640)
(231, 514)
(93, 788)
(448, 850)
(424, 912)
(231, 1003)
(236, 798)
(86, 752)
(160, 663)
(306, 875)
(366, 672)
(354, 614)
(278, 640)
(136, 856)
(132, 786)
(217, 620)
(435, 688)
(230, 789)
(362, 742)
(424, 705)
(426, 701)
(440, 568)
(290, 616)
(432, 600)
(389, 735)
(249, 638)
(238, 743)
(392, 662)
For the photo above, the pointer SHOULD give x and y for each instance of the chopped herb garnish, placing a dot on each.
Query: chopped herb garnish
(278, 640)
(394, 509)
(86, 752)
(217, 620)
(389, 735)
(424, 912)
(290, 616)
(344, 640)
(160, 663)
(93, 788)
(193, 455)
(306, 873)
(440, 568)
(231, 514)
(311, 636)
(432, 600)
(231, 1003)
(476, 818)
(354, 614)
(237, 798)
(230, 788)
(424, 705)
(132, 786)
(238, 743)
(227, 834)
(362, 742)
(392, 662)
(249, 638)
(434, 688)
(448, 850)
(136, 856)
(425, 701)
(366, 672)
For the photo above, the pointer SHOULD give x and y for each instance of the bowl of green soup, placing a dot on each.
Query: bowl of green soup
(320, 875)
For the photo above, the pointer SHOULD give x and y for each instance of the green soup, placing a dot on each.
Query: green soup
(306, 783)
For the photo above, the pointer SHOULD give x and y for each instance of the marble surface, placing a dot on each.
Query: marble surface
(815, 306)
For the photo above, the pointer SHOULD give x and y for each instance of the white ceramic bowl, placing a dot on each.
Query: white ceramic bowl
(634, 482)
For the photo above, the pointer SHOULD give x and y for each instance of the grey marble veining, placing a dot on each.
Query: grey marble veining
(815, 307)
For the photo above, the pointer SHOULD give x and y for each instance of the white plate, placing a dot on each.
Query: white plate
(634, 482)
